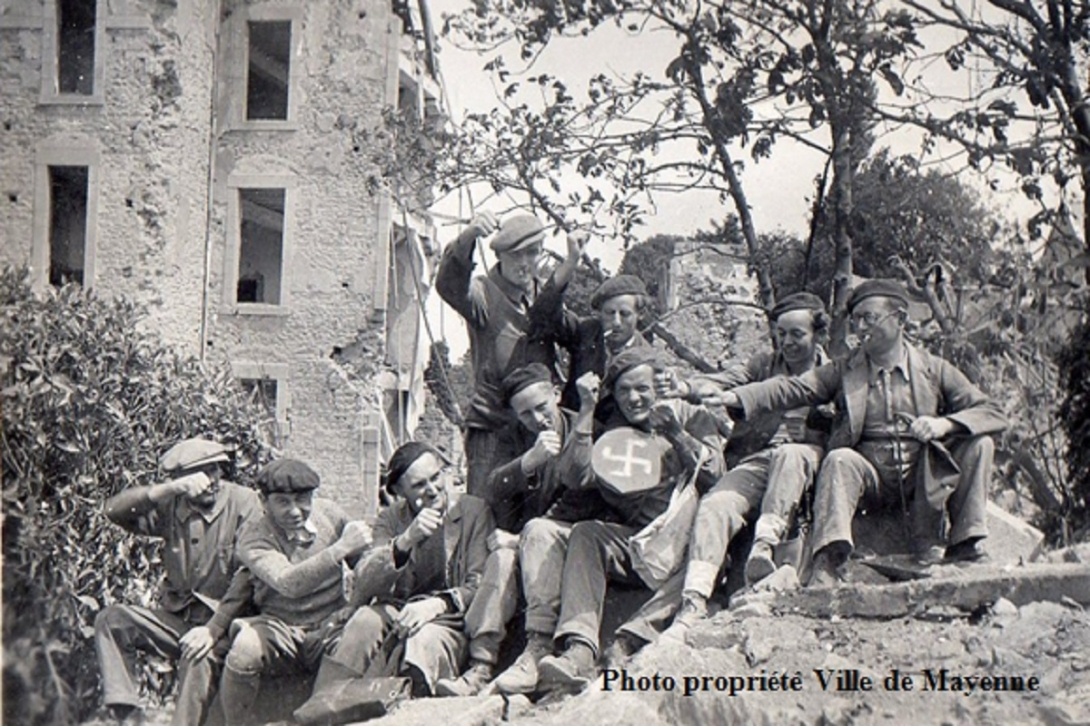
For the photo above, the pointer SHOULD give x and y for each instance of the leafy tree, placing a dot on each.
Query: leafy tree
(1074, 413)
(1037, 51)
(812, 65)
(91, 399)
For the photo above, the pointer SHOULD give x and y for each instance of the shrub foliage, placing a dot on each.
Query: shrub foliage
(90, 400)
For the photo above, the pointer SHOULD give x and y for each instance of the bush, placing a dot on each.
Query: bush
(89, 403)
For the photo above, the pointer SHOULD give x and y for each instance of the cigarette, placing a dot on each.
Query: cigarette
(419, 501)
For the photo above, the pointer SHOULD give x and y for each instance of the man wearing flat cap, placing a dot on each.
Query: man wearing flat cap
(772, 458)
(898, 408)
(198, 514)
(593, 341)
(496, 309)
(430, 550)
(676, 443)
(295, 557)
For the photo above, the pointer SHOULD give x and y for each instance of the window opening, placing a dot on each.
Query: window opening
(67, 224)
(261, 245)
(269, 69)
(76, 46)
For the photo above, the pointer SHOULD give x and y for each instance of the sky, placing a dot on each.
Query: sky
(779, 189)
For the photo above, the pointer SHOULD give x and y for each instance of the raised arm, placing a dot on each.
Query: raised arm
(260, 553)
(453, 279)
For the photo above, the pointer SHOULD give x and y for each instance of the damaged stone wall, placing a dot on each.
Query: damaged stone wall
(149, 133)
(336, 237)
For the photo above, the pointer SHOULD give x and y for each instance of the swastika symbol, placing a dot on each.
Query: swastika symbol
(627, 461)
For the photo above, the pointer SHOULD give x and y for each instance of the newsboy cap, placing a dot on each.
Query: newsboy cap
(523, 377)
(796, 301)
(617, 285)
(629, 359)
(877, 288)
(287, 475)
(518, 232)
(192, 453)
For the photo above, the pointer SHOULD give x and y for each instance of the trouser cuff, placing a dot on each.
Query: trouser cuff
(700, 577)
(486, 648)
(769, 528)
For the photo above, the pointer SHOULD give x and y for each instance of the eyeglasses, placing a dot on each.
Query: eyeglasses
(870, 319)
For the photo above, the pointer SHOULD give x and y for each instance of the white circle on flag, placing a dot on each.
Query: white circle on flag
(629, 460)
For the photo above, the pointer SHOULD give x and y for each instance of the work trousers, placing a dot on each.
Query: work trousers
(771, 483)
(849, 480)
(267, 646)
(597, 553)
(121, 630)
(493, 605)
(543, 546)
(437, 651)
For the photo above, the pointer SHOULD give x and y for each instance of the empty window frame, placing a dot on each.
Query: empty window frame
(261, 245)
(262, 392)
(68, 195)
(268, 70)
(76, 35)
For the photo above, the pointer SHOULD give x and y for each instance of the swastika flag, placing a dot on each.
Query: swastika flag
(629, 460)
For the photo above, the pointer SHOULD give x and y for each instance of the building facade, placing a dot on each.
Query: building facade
(216, 161)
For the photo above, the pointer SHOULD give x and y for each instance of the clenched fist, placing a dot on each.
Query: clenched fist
(426, 522)
(483, 223)
(588, 385)
(356, 537)
(545, 448)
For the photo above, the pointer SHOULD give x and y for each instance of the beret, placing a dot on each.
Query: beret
(523, 377)
(190, 453)
(878, 287)
(796, 301)
(629, 359)
(404, 456)
(517, 232)
(287, 475)
(617, 285)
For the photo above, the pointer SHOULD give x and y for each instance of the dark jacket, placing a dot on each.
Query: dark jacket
(938, 389)
(517, 498)
(552, 323)
(466, 528)
(497, 318)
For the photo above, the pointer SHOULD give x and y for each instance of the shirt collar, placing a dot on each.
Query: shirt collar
(901, 364)
(516, 294)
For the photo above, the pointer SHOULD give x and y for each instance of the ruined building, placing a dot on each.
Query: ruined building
(217, 162)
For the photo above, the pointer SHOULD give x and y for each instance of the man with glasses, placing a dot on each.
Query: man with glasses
(911, 433)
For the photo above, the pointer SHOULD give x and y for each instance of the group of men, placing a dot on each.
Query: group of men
(258, 585)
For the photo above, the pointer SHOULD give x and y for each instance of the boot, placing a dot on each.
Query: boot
(570, 672)
(828, 569)
(760, 564)
(693, 610)
(521, 677)
(470, 684)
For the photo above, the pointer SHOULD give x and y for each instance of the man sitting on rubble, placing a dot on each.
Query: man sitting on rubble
(595, 552)
(430, 550)
(295, 557)
(772, 457)
(898, 410)
(531, 484)
(198, 514)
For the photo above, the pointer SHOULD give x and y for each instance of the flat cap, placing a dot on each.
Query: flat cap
(629, 359)
(518, 232)
(287, 475)
(523, 377)
(796, 301)
(877, 288)
(191, 453)
(617, 285)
